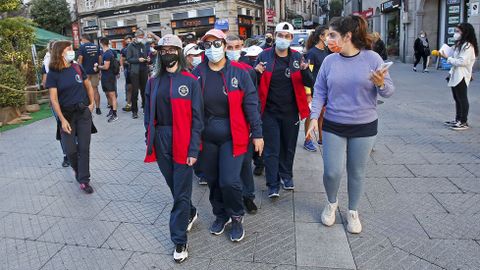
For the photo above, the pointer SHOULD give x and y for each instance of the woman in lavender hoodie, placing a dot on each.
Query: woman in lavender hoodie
(348, 84)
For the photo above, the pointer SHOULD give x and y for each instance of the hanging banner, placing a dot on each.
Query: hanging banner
(76, 35)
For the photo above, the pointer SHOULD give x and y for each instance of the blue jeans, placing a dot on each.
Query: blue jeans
(356, 151)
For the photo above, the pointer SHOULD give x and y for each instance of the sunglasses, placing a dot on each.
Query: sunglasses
(216, 43)
(168, 51)
(193, 48)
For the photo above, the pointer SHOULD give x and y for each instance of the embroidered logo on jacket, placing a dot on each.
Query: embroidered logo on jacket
(296, 64)
(234, 82)
(287, 72)
(183, 90)
(78, 79)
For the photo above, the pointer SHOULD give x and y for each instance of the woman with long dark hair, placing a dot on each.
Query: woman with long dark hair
(72, 99)
(351, 119)
(174, 123)
(462, 60)
(317, 50)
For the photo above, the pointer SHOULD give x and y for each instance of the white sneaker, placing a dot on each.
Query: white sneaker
(354, 225)
(328, 214)
(181, 253)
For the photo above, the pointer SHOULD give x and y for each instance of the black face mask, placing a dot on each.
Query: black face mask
(169, 60)
(269, 40)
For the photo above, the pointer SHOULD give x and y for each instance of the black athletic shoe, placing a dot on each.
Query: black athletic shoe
(258, 171)
(65, 162)
(112, 118)
(110, 113)
(98, 111)
(86, 187)
(250, 205)
(134, 115)
(192, 219)
(181, 253)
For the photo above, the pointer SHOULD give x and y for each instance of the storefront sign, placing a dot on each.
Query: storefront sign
(147, 7)
(366, 13)
(245, 20)
(90, 28)
(120, 31)
(452, 18)
(453, 2)
(390, 6)
(76, 35)
(270, 14)
(204, 21)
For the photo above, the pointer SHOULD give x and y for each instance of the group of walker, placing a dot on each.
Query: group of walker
(209, 115)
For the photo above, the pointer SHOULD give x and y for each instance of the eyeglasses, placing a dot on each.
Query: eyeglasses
(216, 43)
(168, 51)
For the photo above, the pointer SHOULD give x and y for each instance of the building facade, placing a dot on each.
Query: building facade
(400, 21)
(117, 18)
(301, 13)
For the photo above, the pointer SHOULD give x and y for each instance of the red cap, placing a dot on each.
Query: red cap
(215, 33)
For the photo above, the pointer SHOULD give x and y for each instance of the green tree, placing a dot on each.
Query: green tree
(9, 5)
(336, 7)
(52, 15)
(16, 37)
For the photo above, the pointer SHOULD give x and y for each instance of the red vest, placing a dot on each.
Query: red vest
(269, 56)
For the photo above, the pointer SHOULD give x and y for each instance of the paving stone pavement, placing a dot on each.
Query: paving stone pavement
(420, 208)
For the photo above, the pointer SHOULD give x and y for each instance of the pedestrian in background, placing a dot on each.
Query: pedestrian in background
(348, 133)
(89, 55)
(72, 98)
(193, 55)
(421, 48)
(465, 51)
(109, 78)
(317, 50)
(174, 123)
(378, 45)
(126, 72)
(137, 57)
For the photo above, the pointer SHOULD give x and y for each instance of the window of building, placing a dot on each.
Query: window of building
(133, 21)
(248, 12)
(110, 23)
(107, 3)
(153, 18)
(91, 23)
(89, 4)
(206, 12)
(180, 16)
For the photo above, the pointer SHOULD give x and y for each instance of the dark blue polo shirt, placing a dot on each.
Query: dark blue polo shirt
(69, 84)
(108, 74)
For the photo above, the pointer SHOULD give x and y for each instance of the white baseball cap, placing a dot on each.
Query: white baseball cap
(191, 49)
(284, 27)
(254, 50)
(169, 40)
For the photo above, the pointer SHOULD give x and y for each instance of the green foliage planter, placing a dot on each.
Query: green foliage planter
(10, 76)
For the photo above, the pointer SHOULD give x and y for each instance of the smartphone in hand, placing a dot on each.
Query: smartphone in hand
(385, 65)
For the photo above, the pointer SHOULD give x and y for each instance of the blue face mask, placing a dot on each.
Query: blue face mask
(282, 43)
(214, 55)
(234, 55)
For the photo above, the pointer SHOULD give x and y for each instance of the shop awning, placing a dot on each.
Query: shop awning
(42, 37)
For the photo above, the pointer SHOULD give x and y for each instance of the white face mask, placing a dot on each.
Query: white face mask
(196, 60)
(69, 56)
(422, 36)
(215, 54)
(140, 40)
(234, 55)
(457, 36)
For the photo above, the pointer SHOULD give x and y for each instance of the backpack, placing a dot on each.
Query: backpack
(115, 65)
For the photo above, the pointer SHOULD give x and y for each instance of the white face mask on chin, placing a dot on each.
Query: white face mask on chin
(69, 56)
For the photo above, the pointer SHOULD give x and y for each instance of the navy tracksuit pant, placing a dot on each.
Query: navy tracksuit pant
(247, 174)
(179, 180)
(222, 169)
(280, 132)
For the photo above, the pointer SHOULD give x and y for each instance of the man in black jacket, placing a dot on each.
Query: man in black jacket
(137, 58)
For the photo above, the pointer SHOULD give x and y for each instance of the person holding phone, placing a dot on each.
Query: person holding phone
(72, 99)
(351, 119)
(462, 61)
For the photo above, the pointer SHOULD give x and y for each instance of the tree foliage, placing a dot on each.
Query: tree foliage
(10, 76)
(52, 15)
(336, 7)
(9, 5)
(16, 37)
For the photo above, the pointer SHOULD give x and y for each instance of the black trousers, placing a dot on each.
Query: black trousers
(77, 144)
(280, 133)
(139, 81)
(417, 60)
(461, 101)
